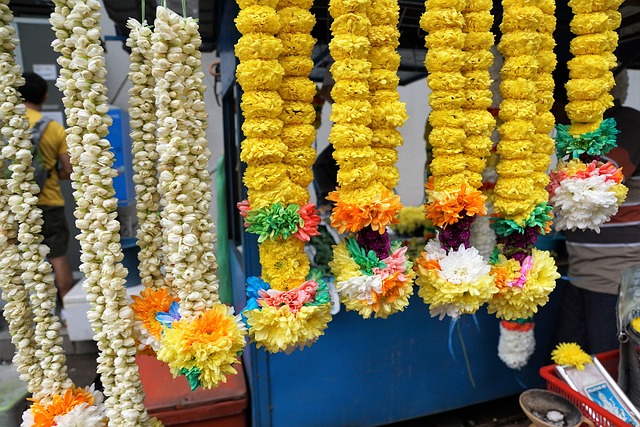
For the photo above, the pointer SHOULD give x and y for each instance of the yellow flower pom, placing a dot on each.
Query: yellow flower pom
(384, 35)
(295, 136)
(384, 57)
(342, 7)
(591, 66)
(258, 46)
(350, 136)
(295, 66)
(586, 89)
(248, 3)
(570, 354)
(209, 343)
(355, 111)
(277, 329)
(518, 88)
(256, 74)
(257, 19)
(383, 80)
(588, 110)
(384, 12)
(297, 44)
(389, 138)
(297, 89)
(448, 38)
(446, 81)
(525, 66)
(263, 177)
(446, 60)
(513, 302)
(342, 265)
(296, 20)
(298, 113)
(347, 46)
(386, 156)
(620, 191)
(478, 21)
(589, 6)
(594, 44)
(284, 263)
(449, 138)
(441, 19)
(302, 176)
(261, 104)
(262, 128)
(262, 151)
(302, 4)
(518, 109)
(351, 24)
(478, 40)
(345, 90)
(350, 69)
(439, 100)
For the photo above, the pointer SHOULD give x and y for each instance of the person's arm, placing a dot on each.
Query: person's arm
(64, 166)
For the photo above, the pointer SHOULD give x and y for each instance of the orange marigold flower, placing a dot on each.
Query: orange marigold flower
(43, 415)
(427, 264)
(450, 208)
(148, 304)
(376, 214)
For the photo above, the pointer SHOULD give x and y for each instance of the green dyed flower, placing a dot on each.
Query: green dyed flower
(322, 293)
(366, 260)
(540, 216)
(595, 143)
(274, 221)
(192, 375)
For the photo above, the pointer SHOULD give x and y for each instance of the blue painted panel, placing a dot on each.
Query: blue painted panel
(373, 372)
(120, 142)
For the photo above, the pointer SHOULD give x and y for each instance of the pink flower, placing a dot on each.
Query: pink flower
(295, 299)
(525, 267)
(243, 207)
(310, 220)
(396, 262)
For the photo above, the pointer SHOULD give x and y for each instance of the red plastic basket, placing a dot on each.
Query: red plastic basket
(589, 409)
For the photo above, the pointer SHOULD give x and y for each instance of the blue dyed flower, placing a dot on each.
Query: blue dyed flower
(172, 316)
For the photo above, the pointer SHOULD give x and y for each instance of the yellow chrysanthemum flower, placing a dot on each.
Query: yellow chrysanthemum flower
(570, 354)
(278, 329)
(209, 343)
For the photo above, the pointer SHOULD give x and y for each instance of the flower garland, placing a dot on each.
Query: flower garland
(17, 310)
(517, 343)
(155, 298)
(39, 358)
(289, 306)
(585, 191)
(82, 78)
(373, 276)
(453, 277)
(524, 276)
(200, 337)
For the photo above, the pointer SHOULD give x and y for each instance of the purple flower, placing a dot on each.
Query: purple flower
(371, 240)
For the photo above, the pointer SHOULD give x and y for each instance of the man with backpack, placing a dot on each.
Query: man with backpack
(51, 164)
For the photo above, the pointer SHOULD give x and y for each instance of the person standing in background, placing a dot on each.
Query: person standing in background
(53, 147)
(596, 260)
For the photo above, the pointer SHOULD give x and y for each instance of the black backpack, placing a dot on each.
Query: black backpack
(41, 173)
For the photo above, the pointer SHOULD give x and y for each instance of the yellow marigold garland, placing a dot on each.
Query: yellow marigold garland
(453, 277)
(366, 112)
(288, 307)
(524, 276)
(590, 198)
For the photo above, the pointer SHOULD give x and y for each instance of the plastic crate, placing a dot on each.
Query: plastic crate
(589, 409)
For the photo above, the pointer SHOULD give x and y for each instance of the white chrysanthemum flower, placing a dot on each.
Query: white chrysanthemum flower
(516, 347)
(360, 287)
(464, 265)
(584, 203)
(442, 311)
(434, 250)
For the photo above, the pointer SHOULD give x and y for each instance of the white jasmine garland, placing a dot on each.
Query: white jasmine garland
(143, 125)
(34, 272)
(184, 180)
(584, 203)
(483, 238)
(16, 310)
(516, 347)
(86, 105)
